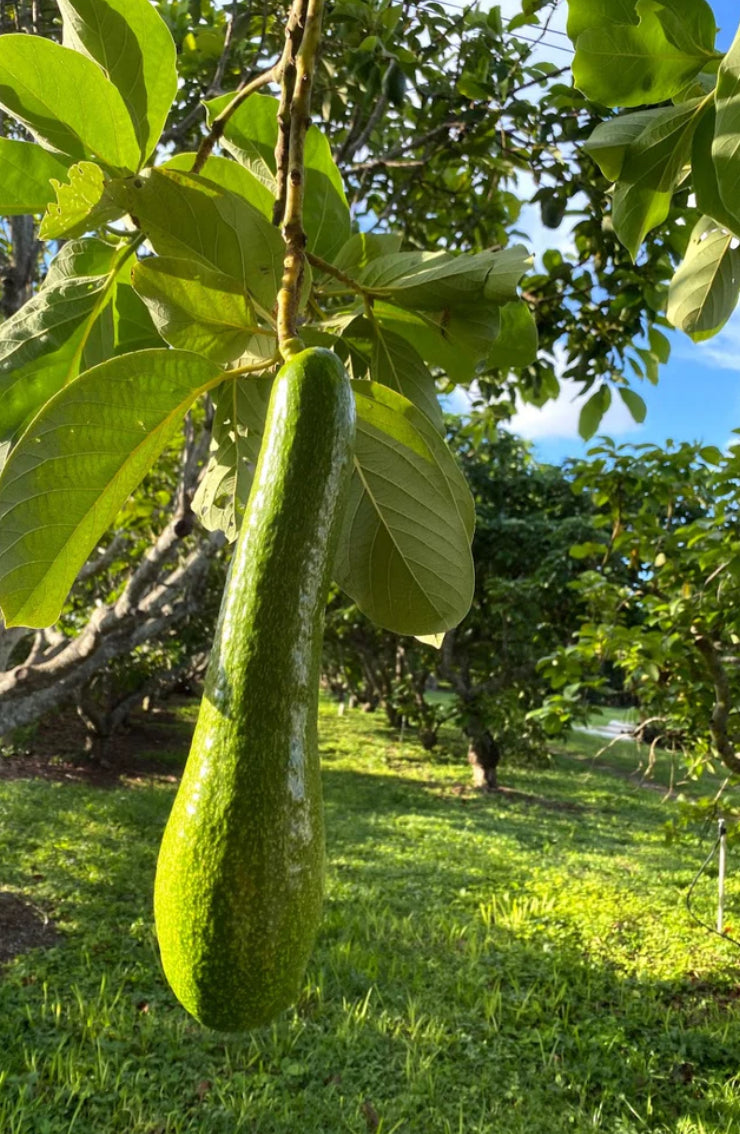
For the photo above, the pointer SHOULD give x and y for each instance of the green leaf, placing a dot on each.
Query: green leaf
(395, 363)
(251, 133)
(636, 209)
(184, 215)
(454, 343)
(236, 436)
(60, 330)
(658, 156)
(229, 174)
(326, 217)
(585, 14)
(704, 177)
(131, 41)
(516, 343)
(726, 145)
(593, 411)
(25, 174)
(610, 141)
(688, 24)
(123, 325)
(704, 291)
(649, 152)
(81, 204)
(196, 308)
(634, 403)
(76, 465)
(627, 65)
(649, 148)
(432, 281)
(251, 136)
(404, 552)
(363, 247)
(36, 332)
(66, 101)
(659, 344)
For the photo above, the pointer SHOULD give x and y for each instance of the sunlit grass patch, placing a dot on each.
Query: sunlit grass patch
(514, 963)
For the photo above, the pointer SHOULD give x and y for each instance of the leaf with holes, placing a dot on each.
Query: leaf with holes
(81, 204)
(704, 291)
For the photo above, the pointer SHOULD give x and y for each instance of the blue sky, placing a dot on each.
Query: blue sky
(698, 396)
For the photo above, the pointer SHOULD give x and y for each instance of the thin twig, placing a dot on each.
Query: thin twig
(330, 270)
(219, 122)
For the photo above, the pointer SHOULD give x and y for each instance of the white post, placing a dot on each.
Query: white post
(721, 876)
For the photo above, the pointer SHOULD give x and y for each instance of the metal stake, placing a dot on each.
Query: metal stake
(721, 876)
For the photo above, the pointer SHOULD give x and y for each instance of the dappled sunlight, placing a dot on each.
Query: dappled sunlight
(484, 963)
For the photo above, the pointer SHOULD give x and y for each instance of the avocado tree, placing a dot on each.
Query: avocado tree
(660, 602)
(430, 114)
(524, 605)
(174, 277)
(662, 607)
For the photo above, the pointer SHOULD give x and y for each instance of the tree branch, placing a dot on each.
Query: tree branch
(292, 221)
(719, 724)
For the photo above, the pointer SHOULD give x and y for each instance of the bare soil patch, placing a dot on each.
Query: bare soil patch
(23, 926)
(154, 744)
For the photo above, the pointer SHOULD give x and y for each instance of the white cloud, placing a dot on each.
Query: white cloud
(558, 420)
(722, 351)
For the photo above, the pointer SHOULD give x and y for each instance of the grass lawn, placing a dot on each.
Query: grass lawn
(514, 964)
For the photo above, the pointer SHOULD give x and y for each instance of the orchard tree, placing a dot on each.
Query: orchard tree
(662, 605)
(524, 605)
(663, 602)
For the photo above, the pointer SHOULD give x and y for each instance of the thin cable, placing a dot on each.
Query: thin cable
(697, 876)
(540, 41)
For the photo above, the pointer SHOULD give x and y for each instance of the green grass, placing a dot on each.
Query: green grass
(520, 964)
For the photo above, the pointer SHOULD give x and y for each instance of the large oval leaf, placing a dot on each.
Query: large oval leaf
(185, 215)
(704, 291)
(65, 101)
(196, 308)
(76, 464)
(404, 553)
(131, 41)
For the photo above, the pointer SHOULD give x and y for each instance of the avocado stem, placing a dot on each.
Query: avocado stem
(297, 82)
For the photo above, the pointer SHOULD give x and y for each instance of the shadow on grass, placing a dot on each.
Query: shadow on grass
(427, 1008)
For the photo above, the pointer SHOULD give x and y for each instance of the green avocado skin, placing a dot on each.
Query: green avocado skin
(239, 884)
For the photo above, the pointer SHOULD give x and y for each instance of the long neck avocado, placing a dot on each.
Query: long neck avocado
(239, 882)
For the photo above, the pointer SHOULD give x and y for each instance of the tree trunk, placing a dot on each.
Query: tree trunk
(484, 756)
